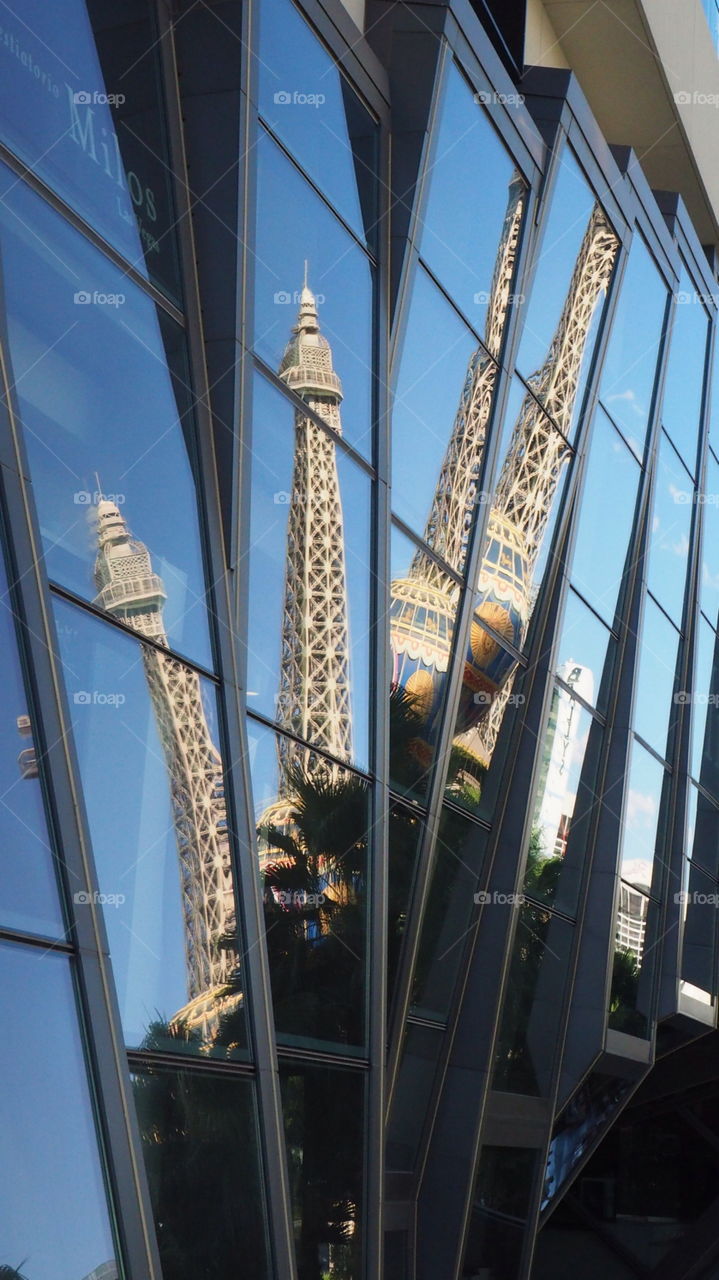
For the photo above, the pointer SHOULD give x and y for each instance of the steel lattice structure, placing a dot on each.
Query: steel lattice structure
(128, 588)
(314, 696)
(452, 512)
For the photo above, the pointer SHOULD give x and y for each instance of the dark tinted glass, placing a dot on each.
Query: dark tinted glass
(200, 1142)
(406, 825)
(53, 1213)
(631, 997)
(420, 1053)
(147, 738)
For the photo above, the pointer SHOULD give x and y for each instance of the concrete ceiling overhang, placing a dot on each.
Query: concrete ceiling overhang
(650, 73)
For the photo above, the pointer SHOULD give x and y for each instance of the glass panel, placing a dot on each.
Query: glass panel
(714, 404)
(101, 382)
(632, 991)
(681, 410)
(582, 653)
(473, 214)
(85, 112)
(147, 739)
(200, 1142)
(709, 499)
(324, 1132)
(405, 833)
(338, 345)
(317, 115)
(28, 885)
(410, 1104)
(449, 913)
(670, 532)
(655, 704)
(422, 617)
(570, 758)
(578, 1128)
(490, 681)
(53, 1214)
(443, 398)
(630, 362)
(645, 781)
(309, 613)
(704, 756)
(703, 832)
(313, 830)
(533, 1003)
(575, 264)
(699, 900)
(504, 1180)
(611, 468)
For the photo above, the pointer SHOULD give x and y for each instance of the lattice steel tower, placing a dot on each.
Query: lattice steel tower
(128, 588)
(314, 695)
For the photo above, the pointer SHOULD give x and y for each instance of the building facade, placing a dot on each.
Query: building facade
(359, 466)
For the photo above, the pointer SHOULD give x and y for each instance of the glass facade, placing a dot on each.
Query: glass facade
(359, 782)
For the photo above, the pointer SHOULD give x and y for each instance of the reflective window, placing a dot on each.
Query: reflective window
(201, 1147)
(703, 832)
(709, 587)
(309, 624)
(670, 532)
(574, 1132)
(146, 733)
(312, 821)
(704, 758)
(632, 353)
(699, 901)
(406, 826)
(80, 103)
(714, 404)
(53, 1213)
(582, 652)
(611, 468)
(311, 107)
(101, 382)
(644, 783)
(655, 706)
(420, 1054)
(473, 214)
(324, 1132)
(28, 885)
(459, 853)
(557, 842)
(533, 1003)
(681, 410)
(441, 407)
(422, 615)
(575, 264)
(299, 243)
(505, 1179)
(631, 997)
